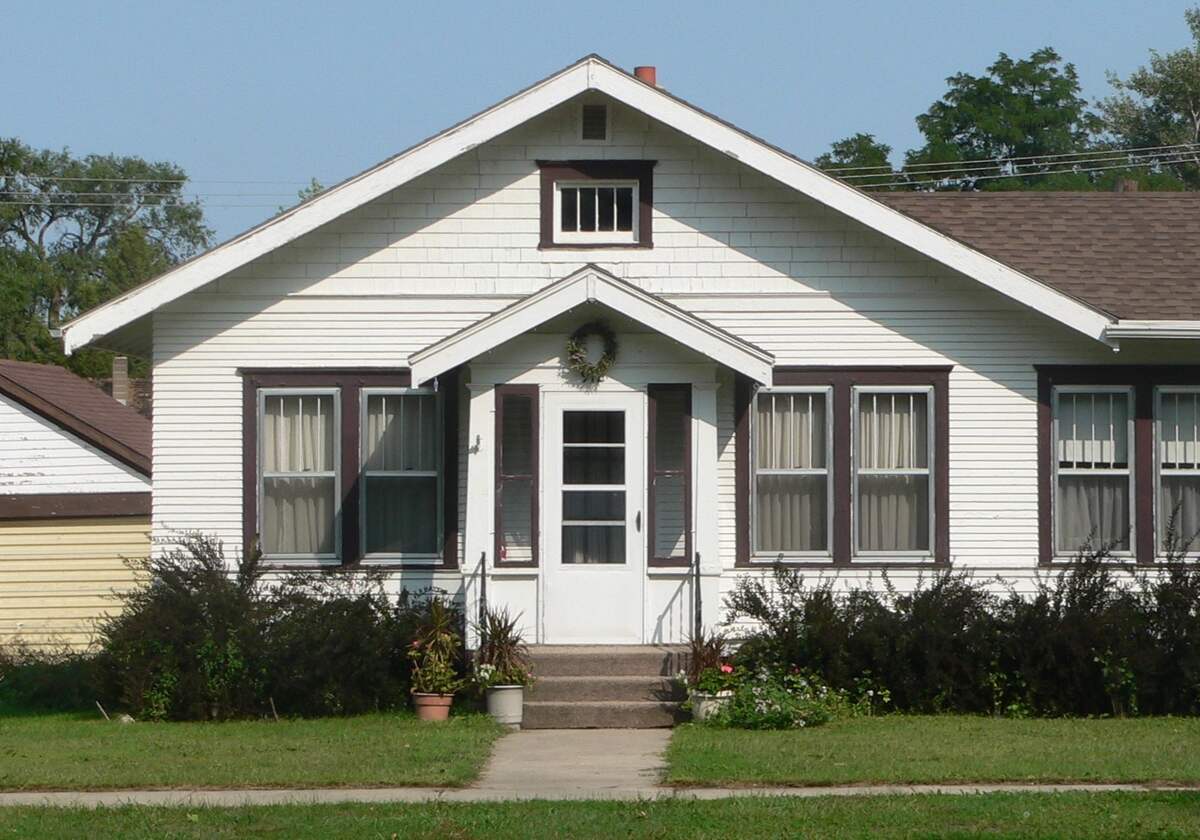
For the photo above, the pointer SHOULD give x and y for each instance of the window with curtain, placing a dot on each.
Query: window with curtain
(298, 459)
(791, 472)
(401, 458)
(516, 475)
(1177, 423)
(1093, 427)
(892, 481)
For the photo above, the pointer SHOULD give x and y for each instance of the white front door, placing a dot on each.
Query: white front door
(594, 480)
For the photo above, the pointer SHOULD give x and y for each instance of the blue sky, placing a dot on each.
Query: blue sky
(281, 92)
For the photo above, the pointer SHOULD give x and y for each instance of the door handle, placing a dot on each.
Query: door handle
(637, 521)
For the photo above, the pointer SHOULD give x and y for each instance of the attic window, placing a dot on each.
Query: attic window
(596, 204)
(593, 123)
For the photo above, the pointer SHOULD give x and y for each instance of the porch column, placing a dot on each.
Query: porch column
(706, 537)
(479, 522)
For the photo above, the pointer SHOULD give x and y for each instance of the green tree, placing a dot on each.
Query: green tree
(1019, 108)
(860, 160)
(1159, 105)
(313, 189)
(75, 232)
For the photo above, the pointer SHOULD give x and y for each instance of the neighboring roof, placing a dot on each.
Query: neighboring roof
(79, 407)
(591, 73)
(592, 284)
(1135, 255)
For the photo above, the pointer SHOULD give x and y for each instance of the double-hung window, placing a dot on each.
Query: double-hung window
(792, 476)
(1177, 433)
(1093, 458)
(401, 479)
(893, 487)
(298, 473)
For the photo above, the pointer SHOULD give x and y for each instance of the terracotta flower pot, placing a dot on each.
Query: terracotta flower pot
(432, 706)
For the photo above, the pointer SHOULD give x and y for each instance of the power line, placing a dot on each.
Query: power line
(39, 177)
(997, 161)
(175, 196)
(1024, 174)
(967, 170)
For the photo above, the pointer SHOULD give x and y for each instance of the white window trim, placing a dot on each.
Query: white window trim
(400, 557)
(769, 557)
(599, 237)
(263, 393)
(1060, 555)
(857, 553)
(607, 125)
(1161, 514)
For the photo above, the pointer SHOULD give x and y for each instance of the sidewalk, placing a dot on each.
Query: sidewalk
(562, 765)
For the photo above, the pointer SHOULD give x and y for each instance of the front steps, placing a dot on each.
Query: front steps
(604, 687)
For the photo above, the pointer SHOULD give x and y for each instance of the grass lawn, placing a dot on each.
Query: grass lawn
(72, 751)
(942, 748)
(1074, 815)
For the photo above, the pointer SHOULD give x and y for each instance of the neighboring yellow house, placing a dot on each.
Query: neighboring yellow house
(74, 503)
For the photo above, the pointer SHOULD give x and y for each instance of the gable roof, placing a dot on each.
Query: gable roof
(1135, 255)
(592, 284)
(591, 73)
(79, 407)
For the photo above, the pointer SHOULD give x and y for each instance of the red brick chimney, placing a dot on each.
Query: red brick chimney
(647, 73)
(120, 380)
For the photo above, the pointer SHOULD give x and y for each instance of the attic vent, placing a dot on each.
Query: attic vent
(594, 122)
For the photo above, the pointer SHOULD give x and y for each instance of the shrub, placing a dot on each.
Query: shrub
(768, 700)
(335, 646)
(56, 680)
(1091, 639)
(436, 648)
(503, 656)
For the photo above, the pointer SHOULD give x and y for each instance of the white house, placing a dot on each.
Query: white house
(800, 371)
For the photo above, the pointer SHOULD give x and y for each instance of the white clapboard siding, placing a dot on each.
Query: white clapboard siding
(730, 245)
(36, 456)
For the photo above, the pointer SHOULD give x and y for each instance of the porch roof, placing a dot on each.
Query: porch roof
(592, 284)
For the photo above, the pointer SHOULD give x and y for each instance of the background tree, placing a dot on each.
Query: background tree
(1020, 108)
(1159, 105)
(860, 160)
(313, 189)
(75, 232)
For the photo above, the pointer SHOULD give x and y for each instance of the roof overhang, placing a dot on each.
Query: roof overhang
(1181, 330)
(589, 74)
(592, 284)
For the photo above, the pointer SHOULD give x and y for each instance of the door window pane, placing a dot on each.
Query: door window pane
(593, 544)
(593, 453)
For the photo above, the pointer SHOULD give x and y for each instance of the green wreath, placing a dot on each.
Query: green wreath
(577, 352)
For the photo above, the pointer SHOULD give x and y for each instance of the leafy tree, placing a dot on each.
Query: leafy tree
(1020, 108)
(1159, 105)
(75, 232)
(313, 189)
(864, 158)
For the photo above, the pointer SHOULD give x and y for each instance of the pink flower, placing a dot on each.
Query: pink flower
(726, 668)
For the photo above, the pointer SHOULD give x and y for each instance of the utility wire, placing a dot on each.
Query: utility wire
(997, 161)
(967, 170)
(1023, 174)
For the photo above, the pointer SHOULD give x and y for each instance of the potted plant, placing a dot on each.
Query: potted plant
(434, 652)
(710, 679)
(502, 666)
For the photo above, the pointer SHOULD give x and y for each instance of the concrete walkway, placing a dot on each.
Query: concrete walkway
(570, 764)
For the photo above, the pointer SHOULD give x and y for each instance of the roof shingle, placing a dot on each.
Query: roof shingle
(1134, 255)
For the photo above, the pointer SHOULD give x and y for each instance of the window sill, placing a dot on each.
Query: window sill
(594, 246)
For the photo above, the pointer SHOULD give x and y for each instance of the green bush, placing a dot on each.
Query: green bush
(770, 700)
(57, 680)
(1090, 640)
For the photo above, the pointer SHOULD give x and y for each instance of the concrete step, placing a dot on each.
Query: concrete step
(600, 714)
(606, 660)
(569, 689)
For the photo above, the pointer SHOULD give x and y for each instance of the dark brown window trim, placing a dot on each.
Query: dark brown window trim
(349, 381)
(73, 505)
(842, 380)
(589, 170)
(653, 474)
(1144, 379)
(502, 391)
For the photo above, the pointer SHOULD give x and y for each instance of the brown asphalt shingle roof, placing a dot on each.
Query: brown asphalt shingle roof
(1135, 255)
(81, 408)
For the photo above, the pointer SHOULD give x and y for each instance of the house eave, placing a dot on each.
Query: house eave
(1147, 329)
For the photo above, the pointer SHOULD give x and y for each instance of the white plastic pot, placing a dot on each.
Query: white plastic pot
(506, 703)
(705, 705)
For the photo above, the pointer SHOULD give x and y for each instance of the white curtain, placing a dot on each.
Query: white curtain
(401, 457)
(1179, 455)
(791, 484)
(299, 508)
(893, 435)
(1093, 509)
